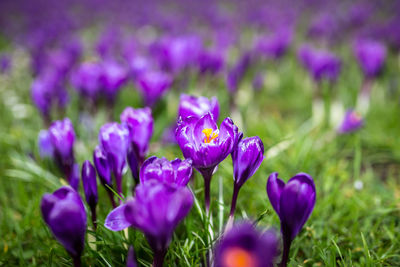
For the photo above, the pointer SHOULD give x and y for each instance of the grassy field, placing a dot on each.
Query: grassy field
(356, 220)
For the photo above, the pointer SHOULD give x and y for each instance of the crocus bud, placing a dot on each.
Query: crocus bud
(140, 124)
(238, 71)
(86, 79)
(74, 177)
(210, 62)
(247, 156)
(89, 183)
(102, 166)
(46, 149)
(176, 172)
(293, 202)
(131, 259)
(156, 210)
(320, 64)
(112, 78)
(197, 106)
(371, 56)
(62, 136)
(351, 122)
(276, 45)
(64, 213)
(153, 85)
(244, 245)
(114, 140)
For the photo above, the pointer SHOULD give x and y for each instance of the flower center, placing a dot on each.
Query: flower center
(210, 135)
(355, 117)
(237, 257)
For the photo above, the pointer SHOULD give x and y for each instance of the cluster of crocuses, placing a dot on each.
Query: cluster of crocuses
(162, 197)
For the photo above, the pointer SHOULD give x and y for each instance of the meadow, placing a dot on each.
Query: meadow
(356, 217)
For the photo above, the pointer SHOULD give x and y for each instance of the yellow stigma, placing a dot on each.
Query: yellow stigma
(237, 257)
(208, 132)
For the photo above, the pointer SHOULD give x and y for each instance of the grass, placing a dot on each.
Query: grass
(349, 226)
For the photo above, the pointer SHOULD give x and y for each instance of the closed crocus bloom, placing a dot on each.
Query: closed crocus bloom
(238, 71)
(112, 78)
(293, 202)
(205, 144)
(153, 85)
(245, 246)
(352, 121)
(74, 177)
(176, 172)
(64, 213)
(86, 79)
(140, 124)
(247, 156)
(156, 210)
(89, 182)
(371, 56)
(46, 149)
(131, 259)
(319, 63)
(197, 106)
(42, 95)
(210, 62)
(276, 45)
(114, 140)
(102, 166)
(62, 136)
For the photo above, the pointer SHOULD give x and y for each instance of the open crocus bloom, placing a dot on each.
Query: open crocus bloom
(202, 141)
(245, 246)
(176, 172)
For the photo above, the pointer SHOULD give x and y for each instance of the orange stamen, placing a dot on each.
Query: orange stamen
(210, 135)
(238, 257)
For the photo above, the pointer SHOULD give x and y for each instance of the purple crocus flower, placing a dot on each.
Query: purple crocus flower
(244, 245)
(210, 62)
(371, 56)
(112, 78)
(153, 85)
(46, 149)
(114, 140)
(86, 79)
(247, 157)
(42, 95)
(176, 172)
(90, 188)
(102, 166)
(130, 258)
(75, 178)
(293, 202)
(276, 45)
(202, 141)
(139, 65)
(62, 137)
(320, 64)
(64, 213)
(5, 63)
(156, 210)
(140, 124)
(351, 122)
(236, 74)
(197, 106)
